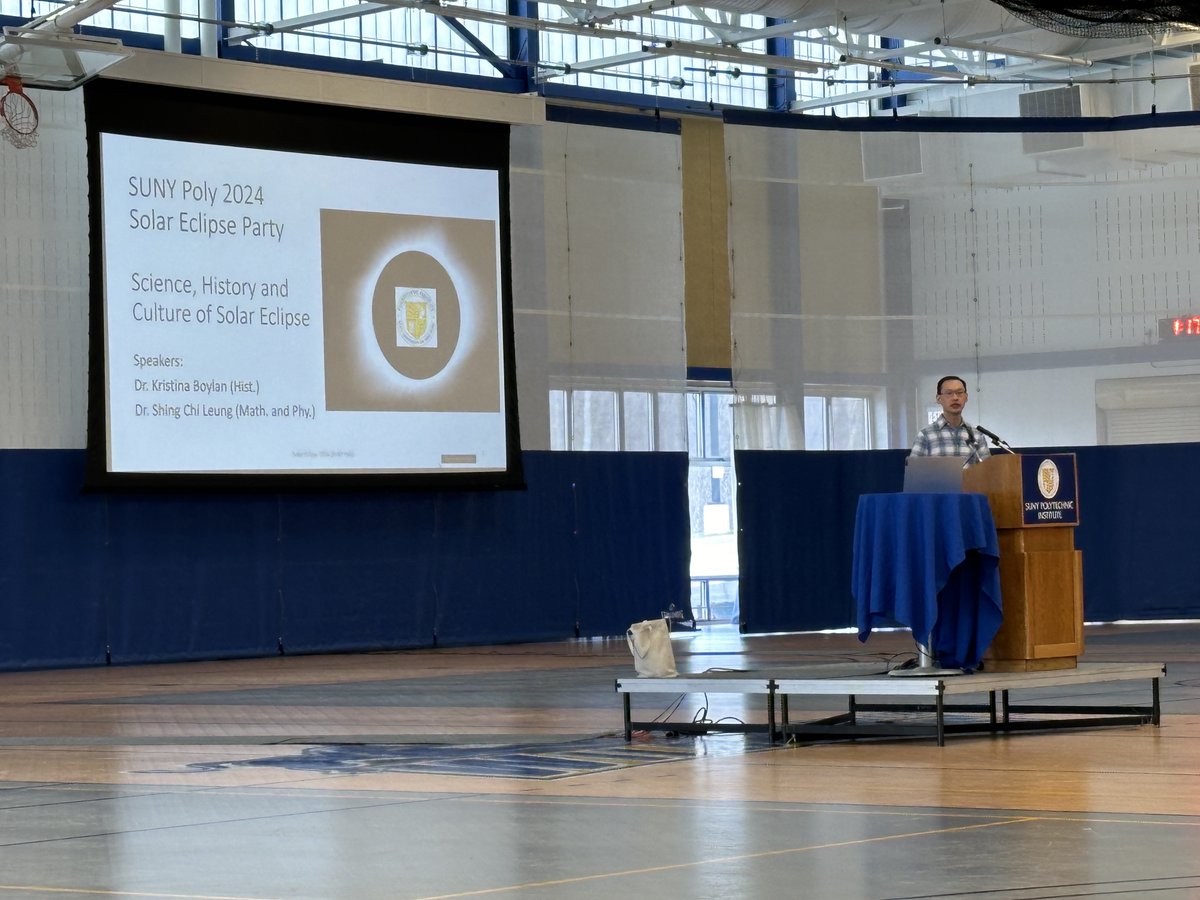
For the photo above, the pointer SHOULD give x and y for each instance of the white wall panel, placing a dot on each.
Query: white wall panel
(44, 281)
(597, 265)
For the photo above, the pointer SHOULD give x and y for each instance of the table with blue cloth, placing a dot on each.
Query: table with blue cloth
(929, 562)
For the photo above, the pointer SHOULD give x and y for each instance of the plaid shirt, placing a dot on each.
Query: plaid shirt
(940, 438)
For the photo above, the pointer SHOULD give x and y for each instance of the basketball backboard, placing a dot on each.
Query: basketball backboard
(56, 61)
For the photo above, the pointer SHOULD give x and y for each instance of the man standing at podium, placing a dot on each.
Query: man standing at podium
(950, 434)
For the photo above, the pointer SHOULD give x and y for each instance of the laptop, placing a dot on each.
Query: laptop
(933, 474)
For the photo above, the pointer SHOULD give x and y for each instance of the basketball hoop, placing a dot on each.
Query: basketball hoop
(19, 113)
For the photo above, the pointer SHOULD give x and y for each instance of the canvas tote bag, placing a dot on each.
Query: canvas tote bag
(650, 644)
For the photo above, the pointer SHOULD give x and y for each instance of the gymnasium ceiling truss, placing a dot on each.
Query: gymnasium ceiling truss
(931, 42)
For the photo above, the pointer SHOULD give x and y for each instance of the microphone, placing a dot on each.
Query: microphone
(996, 439)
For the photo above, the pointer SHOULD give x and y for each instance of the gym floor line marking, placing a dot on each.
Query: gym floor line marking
(46, 889)
(741, 857)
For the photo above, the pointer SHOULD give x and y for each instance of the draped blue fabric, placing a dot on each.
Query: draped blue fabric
(185, 574)
(354, 571)
(931, 563)
(796, 513)
(51, 562)
(594, 542)
(656, 527)
(1138, 509)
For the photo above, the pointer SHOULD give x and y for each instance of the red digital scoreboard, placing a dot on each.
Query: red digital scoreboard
(1179, 327)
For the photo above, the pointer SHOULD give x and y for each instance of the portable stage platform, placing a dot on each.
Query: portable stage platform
(924, 695)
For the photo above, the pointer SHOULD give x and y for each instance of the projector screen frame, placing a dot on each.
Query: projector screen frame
(240, 121)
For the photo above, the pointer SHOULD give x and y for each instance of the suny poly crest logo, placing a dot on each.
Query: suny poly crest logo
(416, 317)
(1048, 478)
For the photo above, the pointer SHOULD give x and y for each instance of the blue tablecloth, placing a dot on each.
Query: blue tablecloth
(929, 562)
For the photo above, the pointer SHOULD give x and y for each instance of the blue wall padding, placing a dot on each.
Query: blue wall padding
(595, 541)
(504, 563)
(603, 557)
(1138, 508)
(796, 531)
(355, 571)
(190, 575)
(53, 566)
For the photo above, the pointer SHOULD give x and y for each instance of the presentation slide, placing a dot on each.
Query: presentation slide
(279, 313)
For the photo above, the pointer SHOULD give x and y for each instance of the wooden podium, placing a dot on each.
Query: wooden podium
(1041, 572)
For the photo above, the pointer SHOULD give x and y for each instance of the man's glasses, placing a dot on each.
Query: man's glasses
(960, 393)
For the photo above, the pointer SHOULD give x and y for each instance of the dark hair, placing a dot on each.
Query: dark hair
(946, 378)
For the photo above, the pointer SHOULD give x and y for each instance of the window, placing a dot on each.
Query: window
(712, 498)
(566, 58)
(715, 600)
(839, 419)
(607, 419)
(595, 423)
(637, 415)
(641, 419)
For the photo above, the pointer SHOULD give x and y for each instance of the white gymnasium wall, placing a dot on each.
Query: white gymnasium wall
(1045, 274)
(44, 281)
(1035, 275)
(806, 276)
(597, 267)
(44, 226)
(1089, 258)
(597, 271)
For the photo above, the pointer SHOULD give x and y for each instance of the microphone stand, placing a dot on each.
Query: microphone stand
(996, 440)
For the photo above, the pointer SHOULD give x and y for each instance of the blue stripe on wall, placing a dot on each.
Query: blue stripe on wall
(795, 533)
(53, 566)
(796, 514)
(595, 541)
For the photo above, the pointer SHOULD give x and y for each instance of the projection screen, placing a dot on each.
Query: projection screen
(280, 303)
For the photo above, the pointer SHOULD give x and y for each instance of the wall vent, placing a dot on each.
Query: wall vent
(1060, 103)
(891, 154)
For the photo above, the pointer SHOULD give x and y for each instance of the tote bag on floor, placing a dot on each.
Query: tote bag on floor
(650, 644)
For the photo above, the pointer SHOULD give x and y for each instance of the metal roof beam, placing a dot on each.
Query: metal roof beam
(608, 62)
(900, 88)
(241, 35)
(486, 53)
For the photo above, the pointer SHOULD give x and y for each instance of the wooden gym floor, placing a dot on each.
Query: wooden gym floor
(501, 772)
